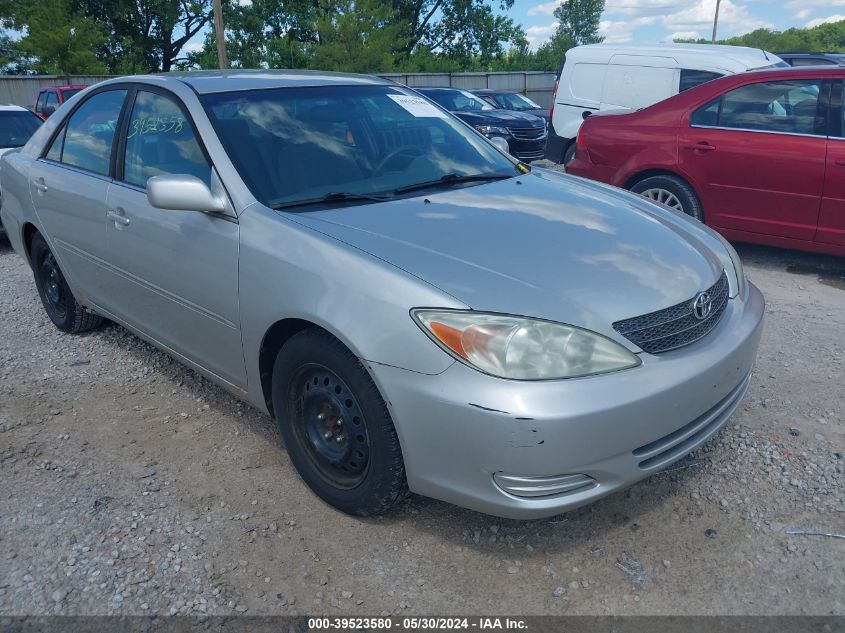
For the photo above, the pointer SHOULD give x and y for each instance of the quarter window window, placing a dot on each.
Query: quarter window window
(90, 132)
(160, 140)
(42, 100)
(788, 107)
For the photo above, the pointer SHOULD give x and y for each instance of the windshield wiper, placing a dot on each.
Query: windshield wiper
(334, 196)
(453, 179)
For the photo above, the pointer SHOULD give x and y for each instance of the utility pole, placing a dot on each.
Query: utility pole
(715, 22)
(219, 35)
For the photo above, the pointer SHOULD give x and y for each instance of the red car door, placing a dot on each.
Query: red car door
(756, 155)
(832, 216)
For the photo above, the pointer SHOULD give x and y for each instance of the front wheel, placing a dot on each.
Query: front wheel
(672, 192)
(336, 426)
(56, 297)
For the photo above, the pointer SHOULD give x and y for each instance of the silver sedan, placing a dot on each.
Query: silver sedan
(416, 310)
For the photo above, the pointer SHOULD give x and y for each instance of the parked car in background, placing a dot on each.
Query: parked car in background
(516, 101)
(49, 99)
(522, 135)
(16, 126)
(415, 309)
(813, 59)
(759, 156)
(600, 77)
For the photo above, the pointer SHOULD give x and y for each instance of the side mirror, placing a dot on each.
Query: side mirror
(181, 192)
(48, 110)
(586, 114)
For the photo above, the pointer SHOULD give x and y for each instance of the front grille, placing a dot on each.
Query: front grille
(529, 156)
(677, 325)
(528, 133)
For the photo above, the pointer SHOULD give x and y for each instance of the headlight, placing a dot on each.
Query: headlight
(486, 130)
(737, 264)
(521, 348)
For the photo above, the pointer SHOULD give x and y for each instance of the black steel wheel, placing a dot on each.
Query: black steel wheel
(56, 296)
(336, 426)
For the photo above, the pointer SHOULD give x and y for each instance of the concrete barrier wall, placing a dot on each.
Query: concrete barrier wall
(21, 90)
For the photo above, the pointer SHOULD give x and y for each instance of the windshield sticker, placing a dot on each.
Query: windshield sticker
(418, 106)
(156, 124)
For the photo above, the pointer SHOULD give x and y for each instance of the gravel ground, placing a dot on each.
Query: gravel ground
(131, 485)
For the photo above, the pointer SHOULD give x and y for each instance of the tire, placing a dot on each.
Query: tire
(350, 457)
(671, 191)
(59, 303)
(569, 153)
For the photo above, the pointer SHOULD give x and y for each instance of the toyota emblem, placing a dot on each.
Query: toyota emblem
(702, 305)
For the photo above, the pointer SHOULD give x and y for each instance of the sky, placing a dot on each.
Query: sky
(654, 21)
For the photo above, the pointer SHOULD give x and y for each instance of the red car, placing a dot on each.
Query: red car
(49, 99)
(758, 156)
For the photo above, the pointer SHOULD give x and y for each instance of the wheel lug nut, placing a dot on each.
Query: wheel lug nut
(327, 434)
(338, 439)
(340, 422)
(321, 417)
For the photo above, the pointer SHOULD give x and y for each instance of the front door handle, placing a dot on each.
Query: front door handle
(117, 216)
(41, 186)
(701, 146)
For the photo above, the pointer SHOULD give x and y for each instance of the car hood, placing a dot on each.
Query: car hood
(506, 118)
(543, 245)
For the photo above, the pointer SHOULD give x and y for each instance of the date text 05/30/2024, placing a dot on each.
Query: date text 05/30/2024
(419, 623)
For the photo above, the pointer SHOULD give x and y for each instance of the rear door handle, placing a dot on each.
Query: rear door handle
(702, 146)
(117, 216)
(41, 186)
(840, 162)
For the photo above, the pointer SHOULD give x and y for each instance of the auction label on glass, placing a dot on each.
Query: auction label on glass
(418, 106)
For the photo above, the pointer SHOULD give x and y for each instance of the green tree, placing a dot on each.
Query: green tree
(59, 39)
(13, 61)
(825, 37)
(578, 23)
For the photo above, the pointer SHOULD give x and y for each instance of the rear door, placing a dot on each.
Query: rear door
(832, 216)
(68, 185)
(756, 155)
(173, 274)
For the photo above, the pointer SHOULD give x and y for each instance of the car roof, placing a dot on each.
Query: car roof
(493, 91)
(743, 55)
(212, 81)
(8, 107)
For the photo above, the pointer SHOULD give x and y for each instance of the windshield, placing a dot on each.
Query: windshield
(16, 127)
(457, 100)
(298, 144)
(516, 101)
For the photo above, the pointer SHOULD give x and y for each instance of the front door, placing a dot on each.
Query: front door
(69, 185)
(175, 273)
(757, 155)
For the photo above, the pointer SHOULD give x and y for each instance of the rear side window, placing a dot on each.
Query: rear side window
(693, 78)
(788, 107)
(812, 61)
(160, 140)
(86, 139)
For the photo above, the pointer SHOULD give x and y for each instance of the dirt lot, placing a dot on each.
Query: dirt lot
(133, 486)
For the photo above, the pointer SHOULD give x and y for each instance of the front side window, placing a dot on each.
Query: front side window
(160, 140)
(67, 94)
(518, 102)
(788, 107)
(812, 61)
(692, 78)
(296, 144)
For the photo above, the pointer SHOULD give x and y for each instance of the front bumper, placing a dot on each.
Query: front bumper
(460, 429)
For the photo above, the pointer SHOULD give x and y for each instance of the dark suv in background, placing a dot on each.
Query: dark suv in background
(525, 134)
(813, 59)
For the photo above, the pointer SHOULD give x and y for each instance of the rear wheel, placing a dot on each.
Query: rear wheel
(336, 426)
(56, 297)
(670, 191)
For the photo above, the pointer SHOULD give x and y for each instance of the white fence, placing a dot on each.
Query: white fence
(21, 90)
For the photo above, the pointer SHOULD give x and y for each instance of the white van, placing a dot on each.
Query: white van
(609, 77)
